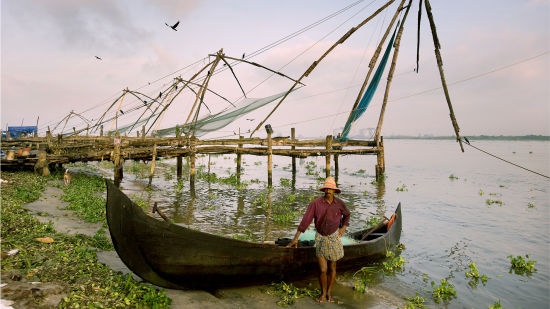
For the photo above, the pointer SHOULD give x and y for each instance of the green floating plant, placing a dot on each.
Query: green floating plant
(445, 291)
(522, 266)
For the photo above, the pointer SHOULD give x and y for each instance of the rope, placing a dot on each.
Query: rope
(474, 76)
(492, 155)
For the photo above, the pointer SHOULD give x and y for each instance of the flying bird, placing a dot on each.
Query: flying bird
(174, 26)
(98, 58)
(250, 119)
(243, 55)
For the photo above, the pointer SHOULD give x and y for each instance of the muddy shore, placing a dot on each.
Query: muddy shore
(50, 208)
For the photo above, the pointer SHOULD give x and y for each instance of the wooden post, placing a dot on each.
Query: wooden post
(293, 137)
(74, 131)
(239, 160)
(153, 161)
(381, 164)
(41, 166)
(328, 146)
(336, 167)
(192, 172)
(118, 172)
(101, 131)
(208, 166)
(269, 160)
(179, 171)
(143, 131)
(87, 130)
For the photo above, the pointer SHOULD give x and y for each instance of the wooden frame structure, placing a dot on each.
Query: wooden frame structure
(119, 148)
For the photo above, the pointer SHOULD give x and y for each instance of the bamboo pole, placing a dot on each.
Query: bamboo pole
(374, 59)
(396, 45)
(315, 63)
(202, 90)
(328, 147)
(269, 160)
(440, 66)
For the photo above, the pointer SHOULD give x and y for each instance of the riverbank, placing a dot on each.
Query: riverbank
(64, 261)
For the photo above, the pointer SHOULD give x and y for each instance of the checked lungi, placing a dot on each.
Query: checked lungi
(330, 247)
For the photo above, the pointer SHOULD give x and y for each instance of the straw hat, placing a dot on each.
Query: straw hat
(330, 183)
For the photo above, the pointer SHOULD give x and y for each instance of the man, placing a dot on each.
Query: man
(327, 211)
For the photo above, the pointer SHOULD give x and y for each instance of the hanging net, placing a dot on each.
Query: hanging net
(213, 122)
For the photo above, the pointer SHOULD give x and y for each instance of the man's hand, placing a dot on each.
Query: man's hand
(293, 243)
(341, 231)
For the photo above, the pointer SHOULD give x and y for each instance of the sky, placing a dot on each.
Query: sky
(496, 60)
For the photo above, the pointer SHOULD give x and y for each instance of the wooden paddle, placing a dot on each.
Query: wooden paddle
(375, 228)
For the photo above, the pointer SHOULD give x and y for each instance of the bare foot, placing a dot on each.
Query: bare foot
(329, 299)
(321, 298)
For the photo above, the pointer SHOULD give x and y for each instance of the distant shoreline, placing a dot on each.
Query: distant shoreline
(477, 137)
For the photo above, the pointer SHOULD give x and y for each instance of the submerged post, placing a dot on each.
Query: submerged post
(153, 161)
(293, 137)
(269, 159)
(118, 170)
(192, 171)
(380, 163)
(179, 158)
(239, 160)
(328, 146)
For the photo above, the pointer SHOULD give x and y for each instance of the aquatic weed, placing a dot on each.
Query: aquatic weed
(496, 305)
(414, 302)
(445, 291)
(491, 202)
(288, 293)
(522, 266)
(474, 274)
(393, 263)
(84, 199)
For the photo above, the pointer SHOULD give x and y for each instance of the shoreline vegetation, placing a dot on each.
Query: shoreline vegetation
(54, 267)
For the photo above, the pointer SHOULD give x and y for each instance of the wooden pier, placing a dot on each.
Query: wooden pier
(49, 151)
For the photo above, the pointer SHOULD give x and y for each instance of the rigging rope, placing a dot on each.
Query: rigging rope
(492, 155)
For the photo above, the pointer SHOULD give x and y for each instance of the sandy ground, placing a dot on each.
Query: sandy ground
(49, 208)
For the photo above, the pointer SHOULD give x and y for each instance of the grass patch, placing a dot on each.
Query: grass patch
(83, 197)
(69, 260)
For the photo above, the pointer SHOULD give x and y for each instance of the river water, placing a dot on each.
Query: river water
(447, 221)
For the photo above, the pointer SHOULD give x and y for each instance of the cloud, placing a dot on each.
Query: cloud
(83, 25)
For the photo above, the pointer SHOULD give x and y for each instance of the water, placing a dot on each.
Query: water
(447, 223)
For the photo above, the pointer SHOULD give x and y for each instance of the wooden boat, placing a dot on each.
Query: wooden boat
(172, 256)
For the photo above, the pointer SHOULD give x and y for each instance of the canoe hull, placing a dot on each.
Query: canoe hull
(176, 257)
